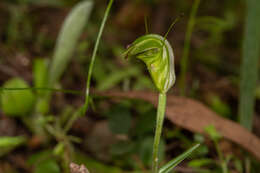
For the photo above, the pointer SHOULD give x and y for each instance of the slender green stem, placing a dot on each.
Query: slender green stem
(85, 107)
(224, 167)
(158, 131)
(185, 55)
(218, 151)
(247, 164)
(72, 119)
(221, 158)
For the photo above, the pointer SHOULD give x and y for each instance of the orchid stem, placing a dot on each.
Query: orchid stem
(158, 131)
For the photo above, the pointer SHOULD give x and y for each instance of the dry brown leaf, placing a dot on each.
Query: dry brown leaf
(194, 116)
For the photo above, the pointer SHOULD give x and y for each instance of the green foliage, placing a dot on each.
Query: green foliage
(59, 149)
(122, 148)
(249, 67)
(17, 103)
(216, 26)
(93, 165)
(40, 72)
(215, 137)
(146, 151)
(47, 166)
(203, 150)
(108, 75)
(7, 143)
(213, 134)
(220, 107)
(255, 166)
(67, 39)
(173, 163)
(38, 157)
(43, 161)
(209, 52)
(156, 52)
(117, 76)
(93, 58)
(42, 106)
(142, 83)
(198, 163)
(186, 49)
(16, 17)
(162, 72)
(238, 164)
(145, 124)
(119, 119)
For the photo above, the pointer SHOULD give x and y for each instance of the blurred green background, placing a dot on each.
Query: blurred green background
(216, 47)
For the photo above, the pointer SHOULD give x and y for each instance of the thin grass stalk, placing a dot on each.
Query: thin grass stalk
(91, 66)
(186, 49)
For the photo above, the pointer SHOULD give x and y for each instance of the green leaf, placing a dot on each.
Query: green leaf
(17, 103)
(42, 106)
(7, 143)
(47, 166)
(40, 72)
(198, 163)
(67, 39)
(43, 162)
(220, 107)
(39, 156)
(59, 149)
(173, 163)
(213, 133)
(250, 64)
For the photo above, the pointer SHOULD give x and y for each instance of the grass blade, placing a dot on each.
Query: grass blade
(173, 163)
(67, 39)
(91, 66)
(7, 143)
(249, 68)
(186, 49)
